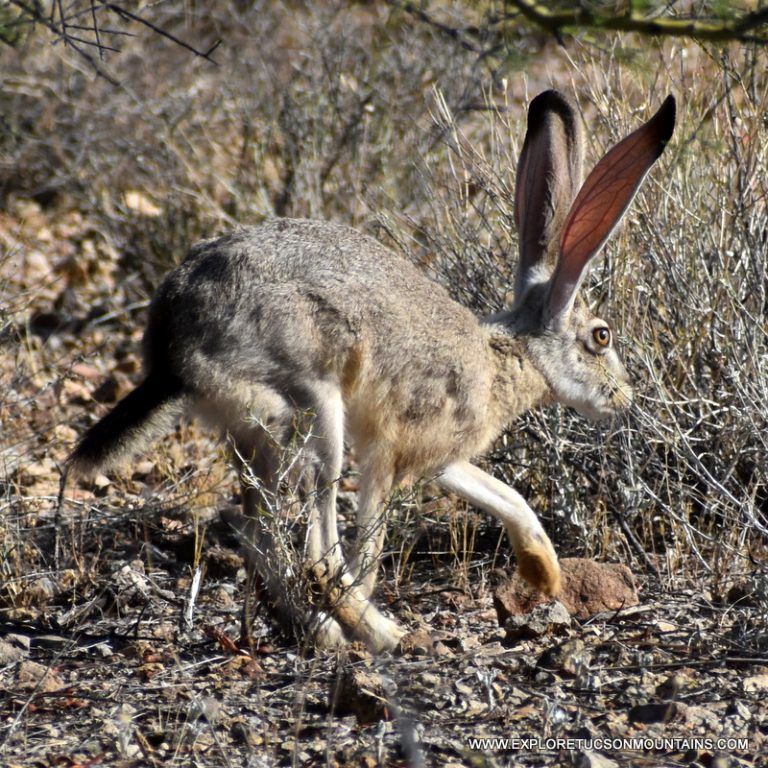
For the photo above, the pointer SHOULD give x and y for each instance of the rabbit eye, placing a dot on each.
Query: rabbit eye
(602, 336)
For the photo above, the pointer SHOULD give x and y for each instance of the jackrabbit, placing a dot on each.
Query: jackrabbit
(306, 327)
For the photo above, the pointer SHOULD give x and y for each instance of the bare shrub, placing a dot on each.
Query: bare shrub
(361, 113)
(345, 112)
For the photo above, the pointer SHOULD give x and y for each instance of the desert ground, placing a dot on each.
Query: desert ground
(120, 611)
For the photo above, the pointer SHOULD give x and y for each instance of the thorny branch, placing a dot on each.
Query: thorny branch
(66, 27)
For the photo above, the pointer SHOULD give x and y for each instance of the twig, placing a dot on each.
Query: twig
(33, 12)
(123, 13)
(60, 28)
(96, 29)
(633, 540)
(421, 15)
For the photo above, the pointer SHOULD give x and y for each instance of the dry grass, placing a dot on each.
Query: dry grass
(358, 114)
(313, 122)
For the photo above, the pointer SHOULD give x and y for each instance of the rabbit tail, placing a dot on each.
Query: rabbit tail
(130, 425)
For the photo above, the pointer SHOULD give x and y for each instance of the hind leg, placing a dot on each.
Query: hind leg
(375, 483)
(349, 603)
(269, 514)
(258, 543)
(256, 462)
(261, 462)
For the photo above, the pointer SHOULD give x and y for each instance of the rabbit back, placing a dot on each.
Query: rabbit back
(260, 315)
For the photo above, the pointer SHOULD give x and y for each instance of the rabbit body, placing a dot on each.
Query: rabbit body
(305, 328)
(255, 318)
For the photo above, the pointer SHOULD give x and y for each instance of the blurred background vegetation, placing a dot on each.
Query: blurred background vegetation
(129, 130)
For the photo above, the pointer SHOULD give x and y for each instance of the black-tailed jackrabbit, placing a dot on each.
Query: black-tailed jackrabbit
(309, 328)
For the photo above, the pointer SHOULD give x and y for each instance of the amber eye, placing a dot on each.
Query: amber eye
(602, 336)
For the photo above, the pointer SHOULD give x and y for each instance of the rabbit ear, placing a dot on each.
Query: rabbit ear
(601, 203)
(548, 176)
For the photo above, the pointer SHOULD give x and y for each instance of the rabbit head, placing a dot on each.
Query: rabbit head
(562, 225)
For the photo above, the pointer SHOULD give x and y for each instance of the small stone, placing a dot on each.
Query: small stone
(418, 643)
(10, 653)
(20, 641)
(103, 650)
(589, 759)
(51, 642)
(664, 626)
(567, 657)
(222, 563)
(552, 618)
(755, 684)
(33, 676)
(360, 692)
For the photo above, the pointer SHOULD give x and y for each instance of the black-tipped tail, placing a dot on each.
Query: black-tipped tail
(128, 426)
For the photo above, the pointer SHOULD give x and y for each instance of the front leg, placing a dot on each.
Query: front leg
(536, 557)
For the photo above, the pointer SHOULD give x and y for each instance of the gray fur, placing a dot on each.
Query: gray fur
(310, 327)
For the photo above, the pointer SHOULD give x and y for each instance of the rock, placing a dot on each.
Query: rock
(699, 719)
(418, 643)
(552, 618)
(588, 588)
(664, 626)
(20, 641)
(103, 650)
(139, 203)
(222, 563)
(10, 653)
(589, 759)
(361, 692)
(56, 643)
(756, 684)
(567, 657)
(739, 709)
(31, 676)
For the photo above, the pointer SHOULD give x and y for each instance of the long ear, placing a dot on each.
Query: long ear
(602, 201)
(548, 176)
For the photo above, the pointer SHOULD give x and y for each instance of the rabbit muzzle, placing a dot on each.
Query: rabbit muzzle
(611, 394)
